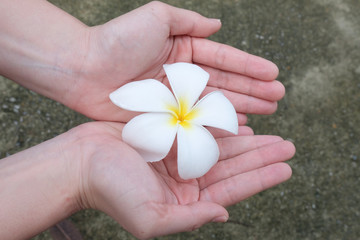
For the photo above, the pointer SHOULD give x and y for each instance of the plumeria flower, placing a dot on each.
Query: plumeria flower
(178, 113)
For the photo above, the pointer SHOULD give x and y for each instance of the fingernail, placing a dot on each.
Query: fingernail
(220, 219)
(216, 19)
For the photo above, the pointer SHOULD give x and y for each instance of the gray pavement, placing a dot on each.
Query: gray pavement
(316, 45)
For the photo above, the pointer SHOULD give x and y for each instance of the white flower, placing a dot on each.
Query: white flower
(152, 134)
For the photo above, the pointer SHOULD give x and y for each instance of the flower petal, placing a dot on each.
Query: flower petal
(197, 151)
(151, 135)
(215, 110)
(187, 82)
(144, 96)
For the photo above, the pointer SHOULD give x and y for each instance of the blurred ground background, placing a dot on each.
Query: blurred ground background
(316, 46)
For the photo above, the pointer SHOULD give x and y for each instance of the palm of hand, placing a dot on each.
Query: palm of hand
(118, 60)
(143, 197)
(114, 59)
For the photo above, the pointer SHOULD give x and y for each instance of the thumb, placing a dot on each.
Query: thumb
(186, 22)
(181, 218)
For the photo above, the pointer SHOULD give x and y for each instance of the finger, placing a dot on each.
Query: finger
(230, 59)
(233, 146)
(249, 161)
(242, 186)
(245, 131)
(242, 119)
(219, 133)
(267, 90)
(246, 104)
(185, 22)
(179, 218)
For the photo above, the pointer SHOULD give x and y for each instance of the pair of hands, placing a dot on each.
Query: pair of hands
(150, 199)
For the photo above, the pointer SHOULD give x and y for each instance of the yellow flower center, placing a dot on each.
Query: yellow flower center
(182, 114)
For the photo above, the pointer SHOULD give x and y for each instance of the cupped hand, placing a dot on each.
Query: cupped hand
(135, 46)
(151, 199)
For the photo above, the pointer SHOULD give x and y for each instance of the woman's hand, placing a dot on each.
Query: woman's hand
(151, 199)
(50, 52)
(135, 46)
(91, 167)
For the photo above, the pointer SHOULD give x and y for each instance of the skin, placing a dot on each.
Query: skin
(79, 65)
(54, 54)
(90, 167)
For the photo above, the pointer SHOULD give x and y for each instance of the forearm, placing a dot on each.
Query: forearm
(37, 189)
(40, 46)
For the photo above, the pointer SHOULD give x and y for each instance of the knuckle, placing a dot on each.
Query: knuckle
(157, 5)
(220, 56)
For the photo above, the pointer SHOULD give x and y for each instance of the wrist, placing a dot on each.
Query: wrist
(77, 149)
(38, 188)
(40, 47)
